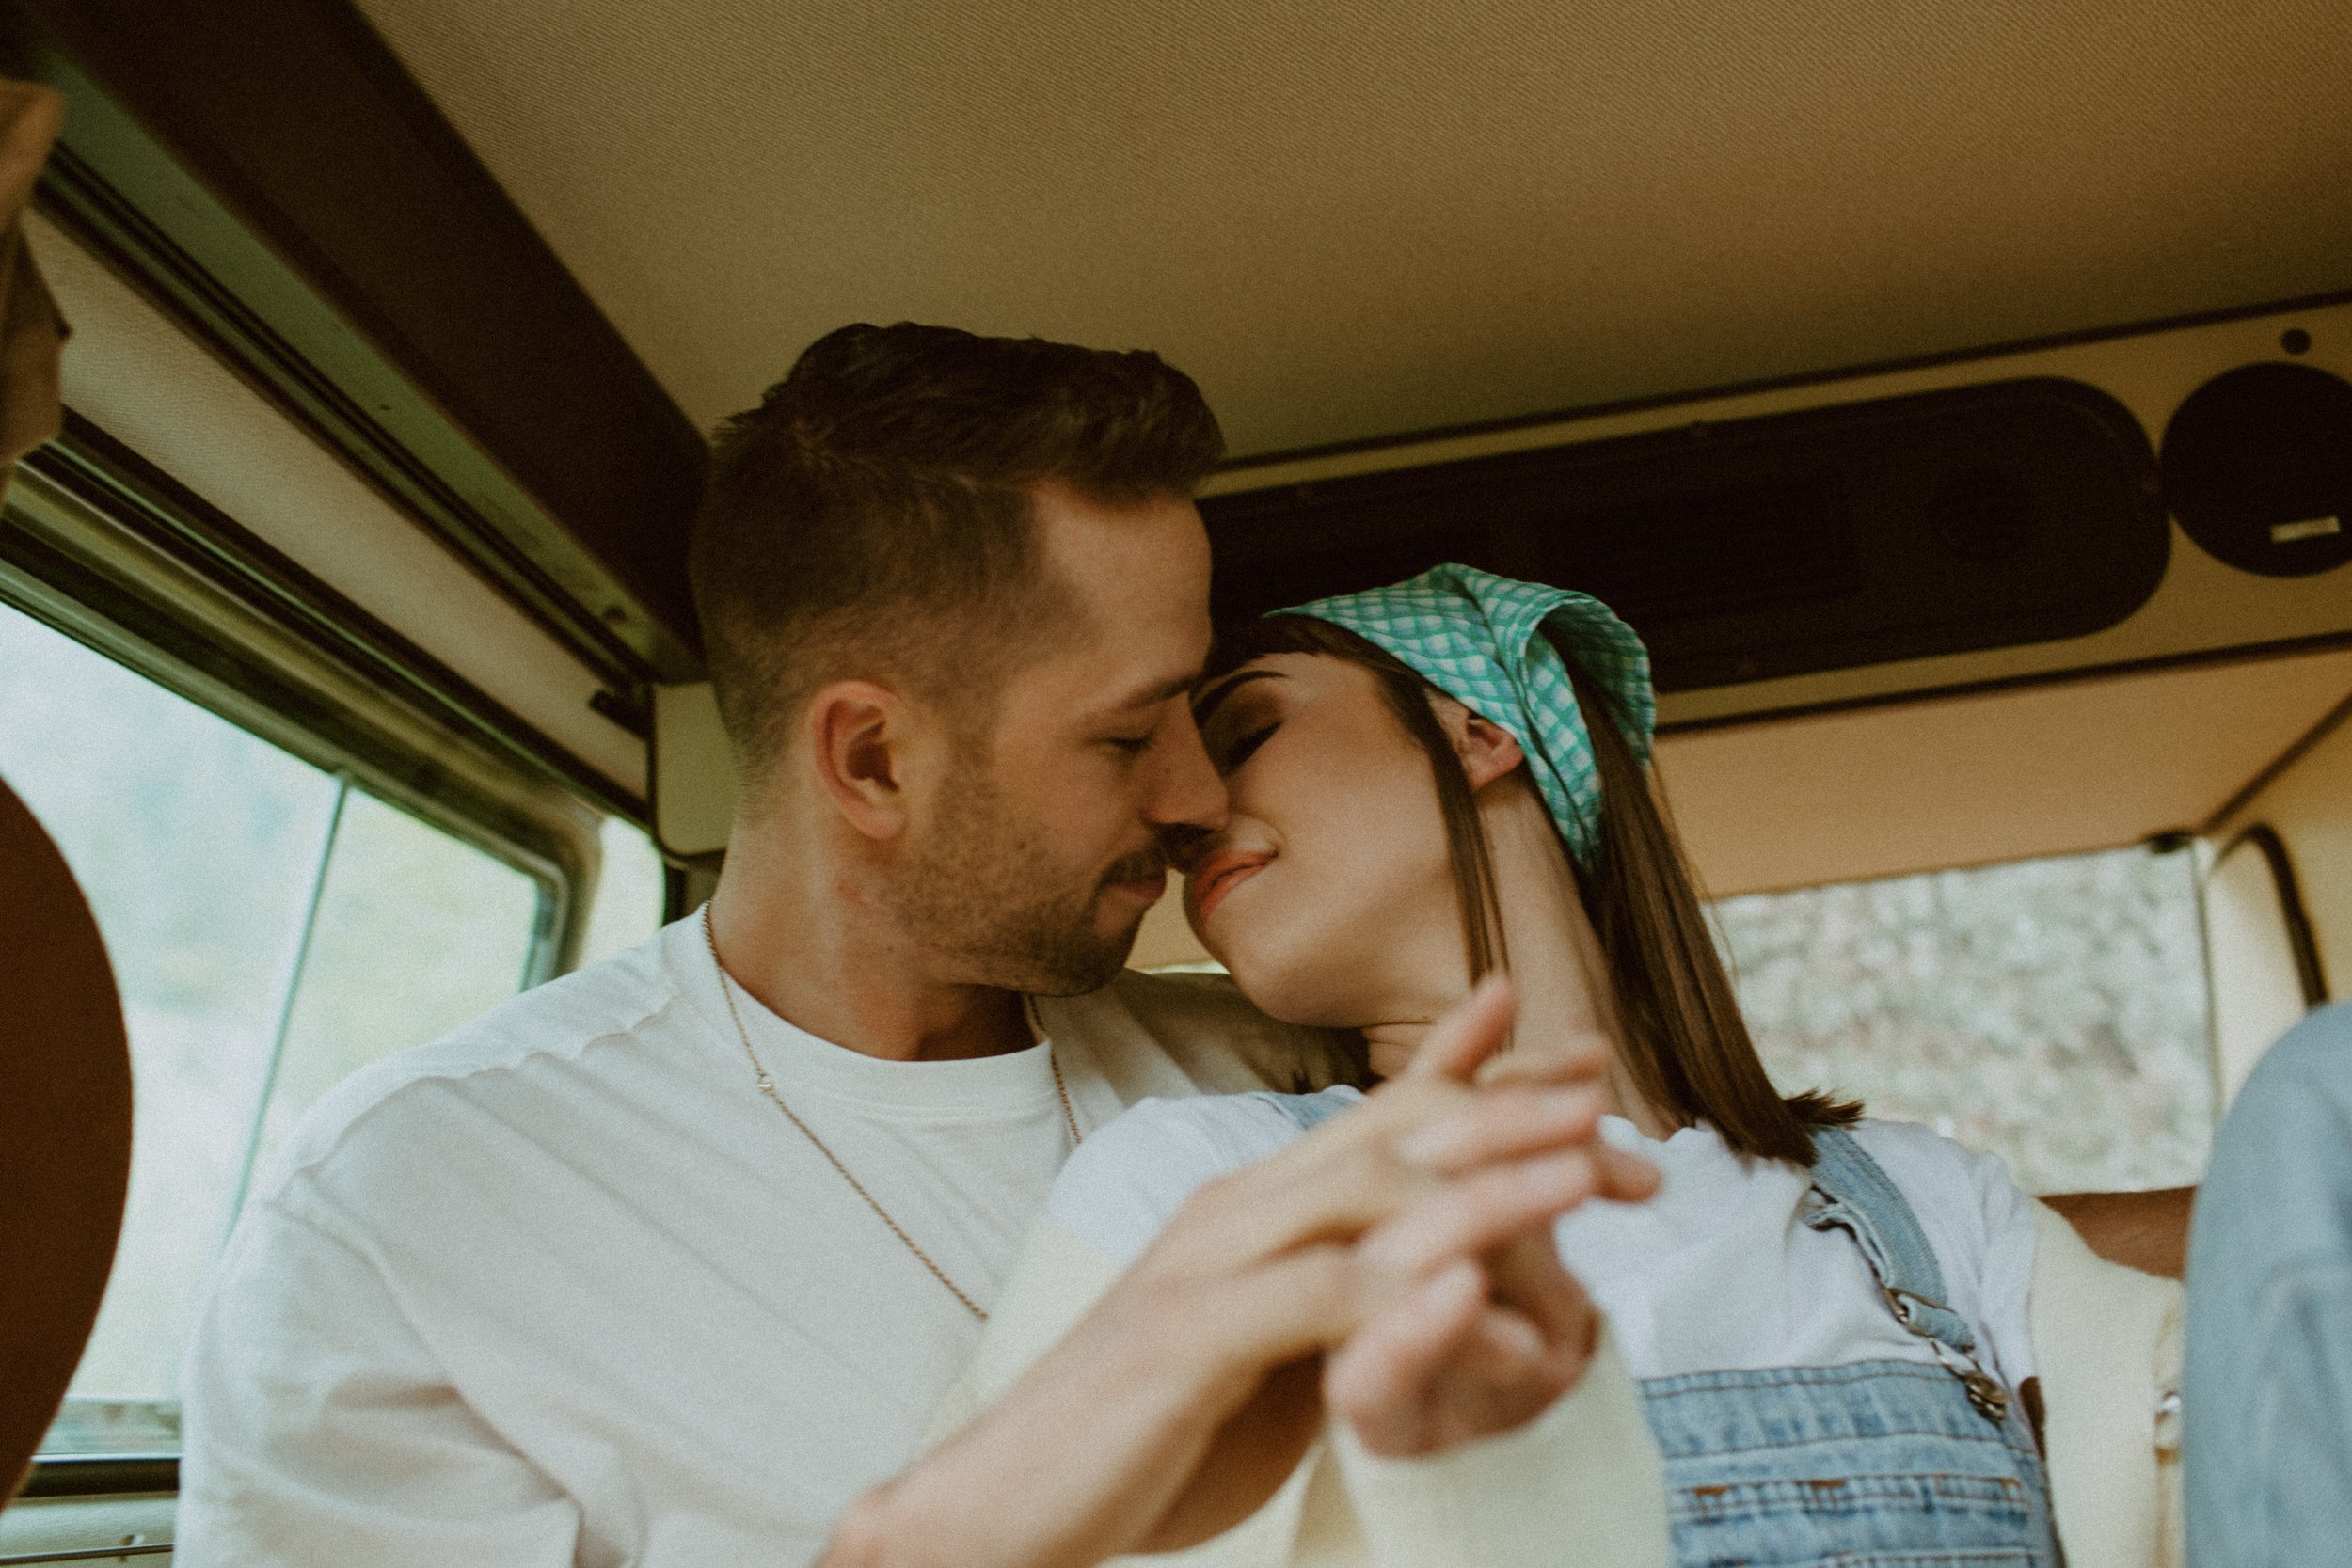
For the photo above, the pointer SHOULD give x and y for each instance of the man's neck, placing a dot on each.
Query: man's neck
(812, 951)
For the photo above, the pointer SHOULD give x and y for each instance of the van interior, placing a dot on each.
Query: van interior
(1958, 400)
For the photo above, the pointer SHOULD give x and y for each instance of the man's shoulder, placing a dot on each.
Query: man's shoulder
(2306, 1077)
(554, 1025)
(1212, 1033)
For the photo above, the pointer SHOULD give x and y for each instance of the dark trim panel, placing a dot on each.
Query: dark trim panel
(89, 1554)
(2301, 940)
(270, 176)
(1773, 382)
(1787, 543)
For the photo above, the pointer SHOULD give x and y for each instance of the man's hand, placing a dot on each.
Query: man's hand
(1411, 1238)
(1480, 1350)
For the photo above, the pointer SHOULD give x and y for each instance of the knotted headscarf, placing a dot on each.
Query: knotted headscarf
(1476, 637)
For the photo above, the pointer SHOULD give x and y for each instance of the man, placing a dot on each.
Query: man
(2266, 1409)
(669, 1261)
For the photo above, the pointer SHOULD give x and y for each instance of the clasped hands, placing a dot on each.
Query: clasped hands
(1394, 1267)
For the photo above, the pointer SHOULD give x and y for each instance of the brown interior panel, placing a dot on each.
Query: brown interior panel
(65, 1121)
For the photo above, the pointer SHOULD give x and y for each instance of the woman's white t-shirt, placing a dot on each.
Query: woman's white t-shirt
(1718, 1272)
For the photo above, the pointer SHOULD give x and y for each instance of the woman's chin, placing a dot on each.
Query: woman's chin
(1290, 987)
(1223, 934)
(1277, 962)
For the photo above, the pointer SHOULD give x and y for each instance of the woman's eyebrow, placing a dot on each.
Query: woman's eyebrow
(1205, 705)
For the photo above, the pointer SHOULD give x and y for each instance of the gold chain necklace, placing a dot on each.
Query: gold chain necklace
(768, 1086)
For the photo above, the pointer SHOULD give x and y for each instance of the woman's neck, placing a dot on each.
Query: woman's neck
(1553, 956)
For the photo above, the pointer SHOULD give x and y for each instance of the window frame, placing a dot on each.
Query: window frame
(111, 552)
(2302, 942)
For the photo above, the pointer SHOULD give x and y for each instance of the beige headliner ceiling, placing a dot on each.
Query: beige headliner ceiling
(1994, 776)
(1376, 217)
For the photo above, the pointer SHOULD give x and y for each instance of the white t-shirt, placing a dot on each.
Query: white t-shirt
(565, 1287)
(1718, 1272)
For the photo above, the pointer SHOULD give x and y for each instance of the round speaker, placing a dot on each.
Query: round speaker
(2258, 468)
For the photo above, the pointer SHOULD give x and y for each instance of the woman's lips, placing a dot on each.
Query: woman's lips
(1219, 875)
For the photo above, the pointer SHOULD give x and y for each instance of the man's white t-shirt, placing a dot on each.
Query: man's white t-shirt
(565, 1287)
(1719, 1271)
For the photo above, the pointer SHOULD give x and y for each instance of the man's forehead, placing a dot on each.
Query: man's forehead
(1102, 546)
(1138, 579)
(1101, 671)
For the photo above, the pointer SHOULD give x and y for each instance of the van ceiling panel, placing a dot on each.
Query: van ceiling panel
(2204, 607)
(1861, 533)
(1356, 219)
(1995, 776)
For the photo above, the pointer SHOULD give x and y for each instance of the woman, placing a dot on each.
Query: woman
(1830, 1319)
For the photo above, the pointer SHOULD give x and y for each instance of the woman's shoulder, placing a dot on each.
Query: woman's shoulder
(1955, 1189)
(1976, 1217)
(1917, 1156)
(1126, 1180)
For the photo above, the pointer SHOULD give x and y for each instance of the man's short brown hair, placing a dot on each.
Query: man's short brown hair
(872, 517)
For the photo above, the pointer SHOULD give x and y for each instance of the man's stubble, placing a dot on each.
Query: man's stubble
(988, 893)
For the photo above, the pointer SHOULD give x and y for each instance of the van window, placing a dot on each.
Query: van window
(2053, 1011)
(272, 926)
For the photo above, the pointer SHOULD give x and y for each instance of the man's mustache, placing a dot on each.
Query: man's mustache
(1136, 867)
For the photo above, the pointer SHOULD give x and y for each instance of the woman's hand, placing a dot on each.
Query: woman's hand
(1354, 1239)
(1481, 1350)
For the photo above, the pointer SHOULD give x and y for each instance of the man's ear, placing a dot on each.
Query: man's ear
(857, 733)
(1486, 749)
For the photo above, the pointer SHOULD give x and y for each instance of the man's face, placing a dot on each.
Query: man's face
(1033, 865)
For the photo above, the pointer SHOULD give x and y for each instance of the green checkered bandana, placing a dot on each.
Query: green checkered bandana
(1474, 637)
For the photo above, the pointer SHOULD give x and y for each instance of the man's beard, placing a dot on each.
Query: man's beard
(973, 895)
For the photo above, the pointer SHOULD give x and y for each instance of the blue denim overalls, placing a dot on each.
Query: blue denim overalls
(1872, 1463)
(1869, 1464)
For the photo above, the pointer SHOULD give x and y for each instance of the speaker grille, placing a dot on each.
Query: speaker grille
(1946, 521)
(2258, 468)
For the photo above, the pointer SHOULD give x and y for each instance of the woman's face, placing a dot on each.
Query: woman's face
(1329, 894)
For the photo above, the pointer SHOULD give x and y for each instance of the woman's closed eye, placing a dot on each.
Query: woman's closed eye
(1237, 751)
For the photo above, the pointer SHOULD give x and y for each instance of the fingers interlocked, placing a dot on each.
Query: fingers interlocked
(1416, 1229)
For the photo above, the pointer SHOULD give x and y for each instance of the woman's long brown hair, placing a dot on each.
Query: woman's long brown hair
(1685, 1042)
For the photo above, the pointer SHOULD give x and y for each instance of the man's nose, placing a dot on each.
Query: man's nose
(1187, 793)
(1184, 846)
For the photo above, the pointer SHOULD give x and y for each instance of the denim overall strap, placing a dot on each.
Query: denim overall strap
(1852, 1192)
